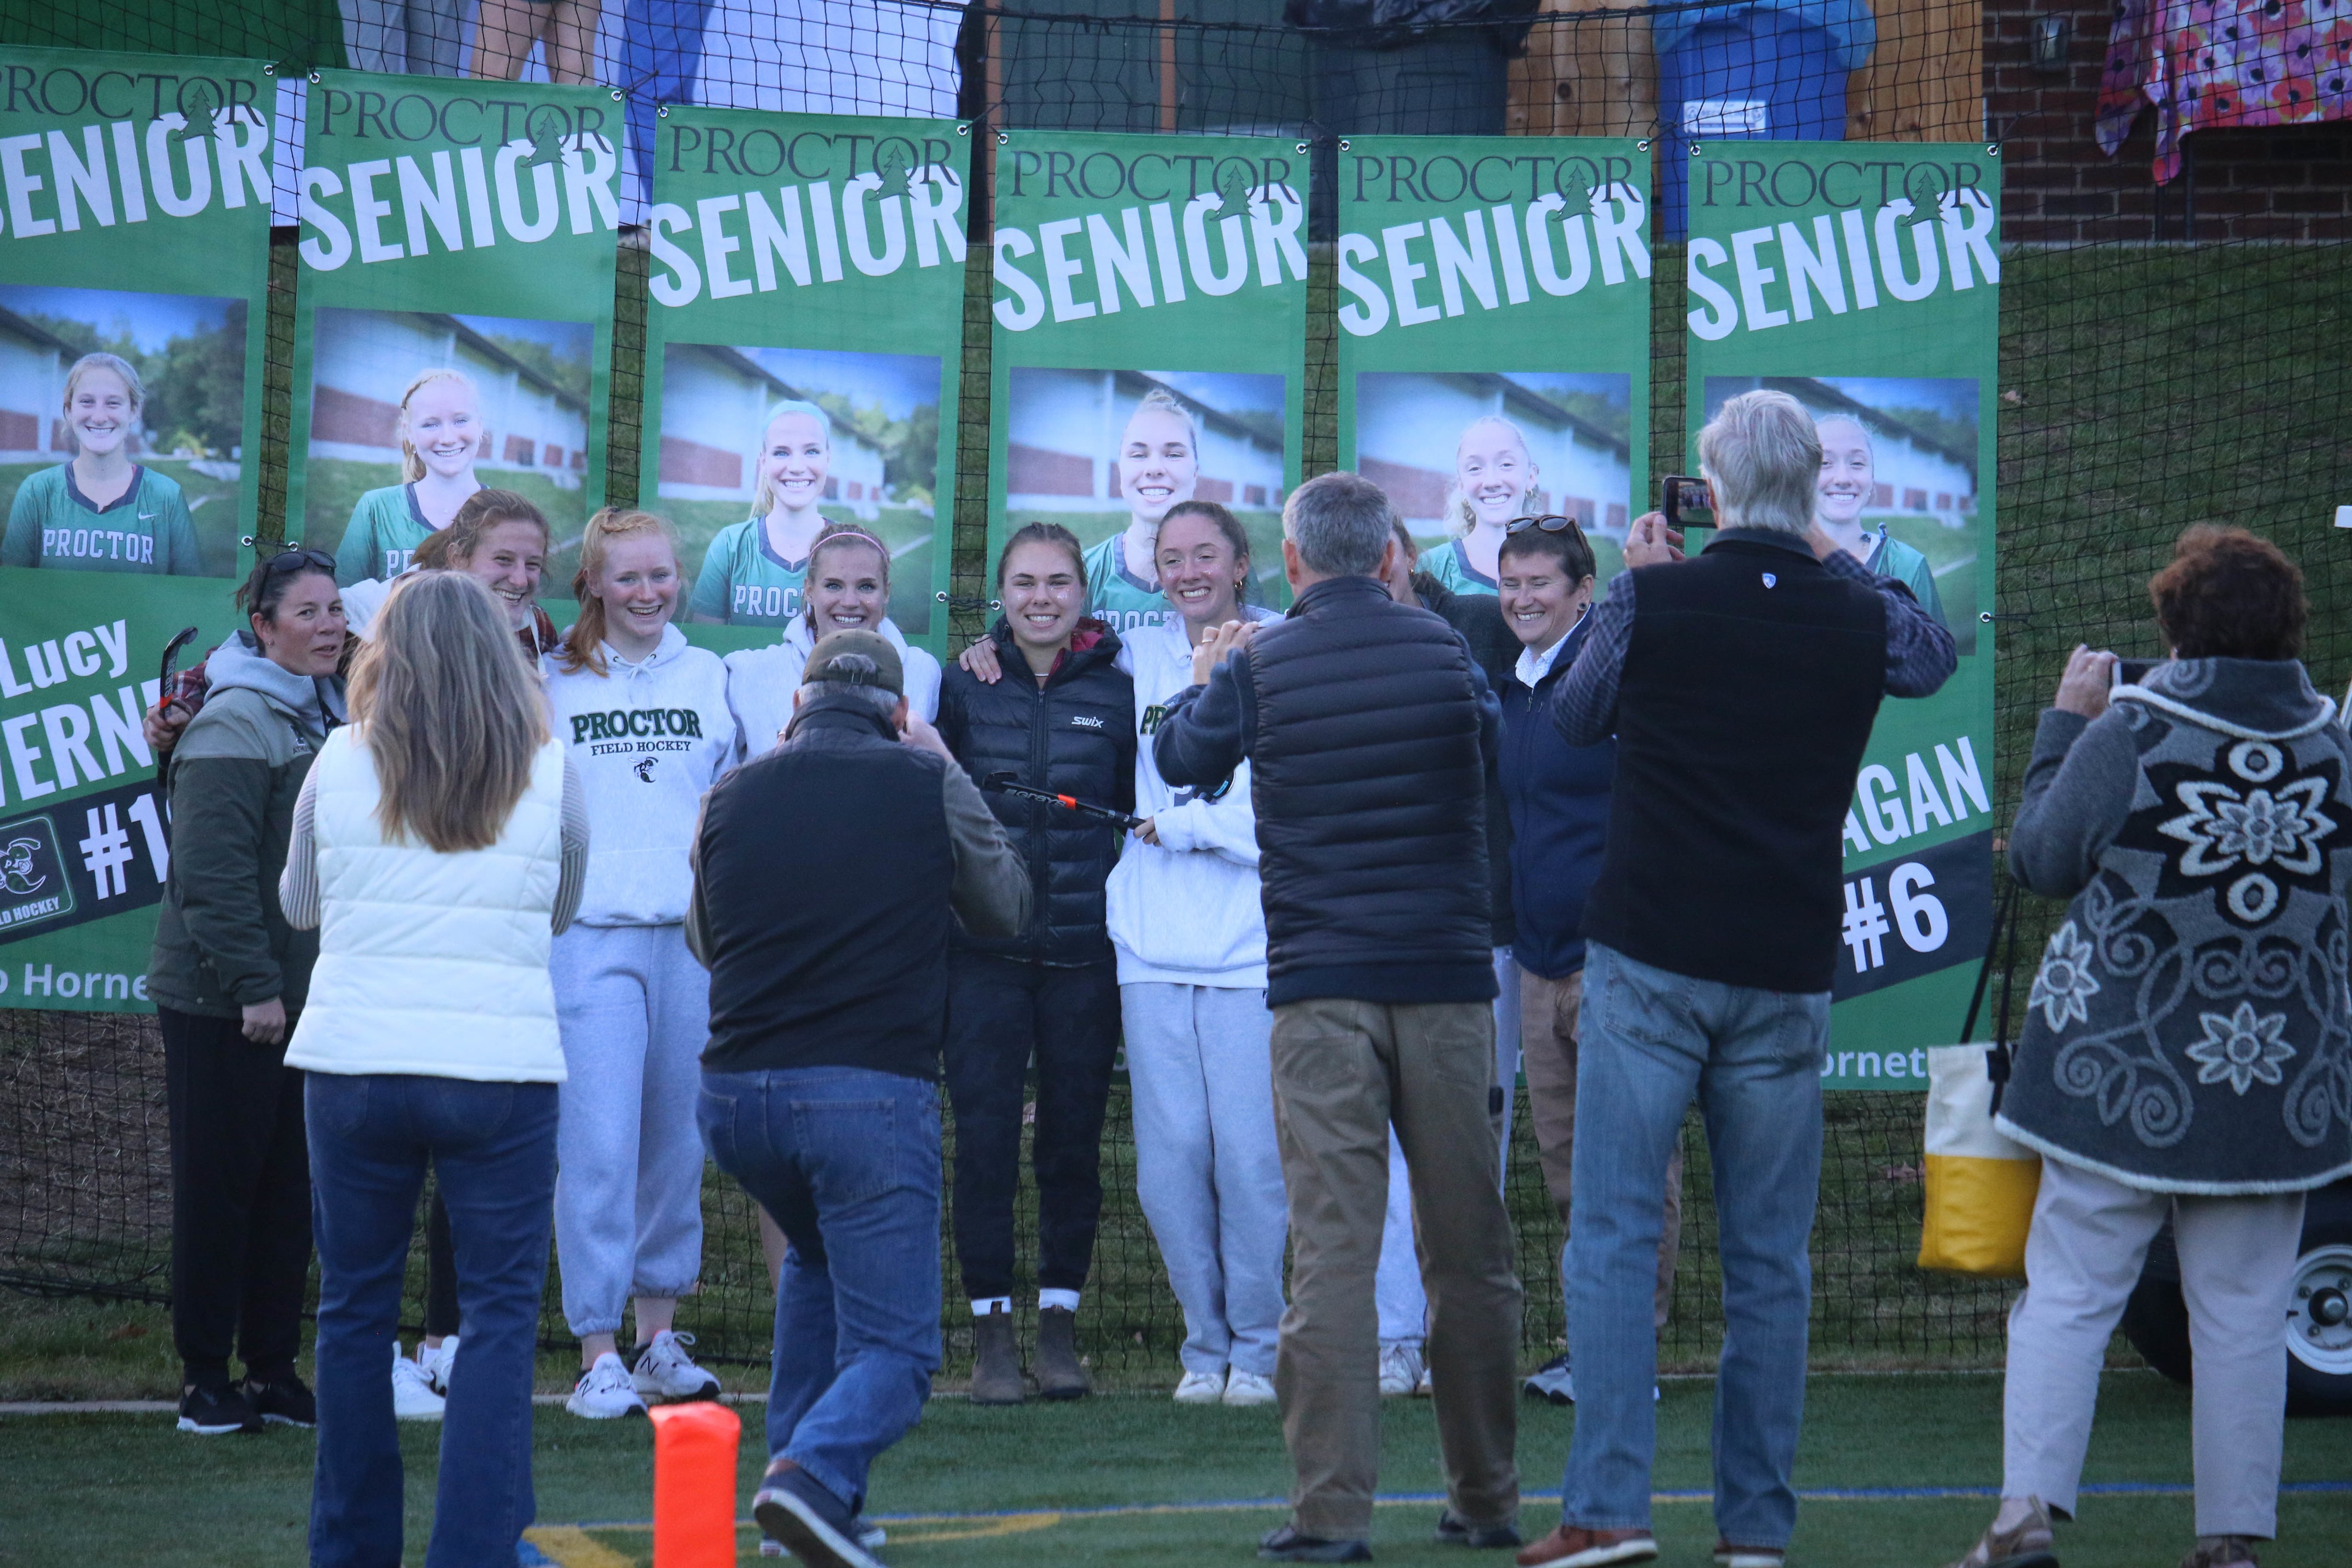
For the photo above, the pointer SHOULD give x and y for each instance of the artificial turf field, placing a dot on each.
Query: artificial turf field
(1134, 1481)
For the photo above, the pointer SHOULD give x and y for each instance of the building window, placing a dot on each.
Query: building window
(1915, 500)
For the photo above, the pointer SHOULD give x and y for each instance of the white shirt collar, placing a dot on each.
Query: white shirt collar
(1533, 665)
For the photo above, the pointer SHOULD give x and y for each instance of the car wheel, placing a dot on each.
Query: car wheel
(2319, 1312)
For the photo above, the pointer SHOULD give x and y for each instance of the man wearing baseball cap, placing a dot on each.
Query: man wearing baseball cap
(826, 877)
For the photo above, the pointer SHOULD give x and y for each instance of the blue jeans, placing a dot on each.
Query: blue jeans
(661, 55)
(846, 1161)
(492, 1146)
(1652, 1039)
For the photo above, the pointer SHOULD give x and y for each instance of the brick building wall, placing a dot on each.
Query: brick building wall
(2289, 183)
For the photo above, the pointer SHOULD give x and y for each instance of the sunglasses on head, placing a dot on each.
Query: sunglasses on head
(1550, 523)
(297, 559)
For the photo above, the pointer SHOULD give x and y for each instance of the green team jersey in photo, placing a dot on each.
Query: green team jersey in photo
(1114, 597)
(744, 582)
(1450, 564)
(1894, 559)
(52, 523)
(386, 527)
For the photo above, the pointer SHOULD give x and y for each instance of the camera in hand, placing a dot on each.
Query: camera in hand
(1687, 502)
(2130, 672)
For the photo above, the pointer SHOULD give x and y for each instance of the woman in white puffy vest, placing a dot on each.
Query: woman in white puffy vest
(439, 844)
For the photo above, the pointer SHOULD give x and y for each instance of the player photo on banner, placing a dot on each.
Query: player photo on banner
(1457, 256)
(762, 447)
(1150, 348)
(1464, 453)
(807, 270)
(1106, 453)
(453, 323)
(1898, 489)
(122, 430)
(135, 279)
(411, 412)
(1874, 302)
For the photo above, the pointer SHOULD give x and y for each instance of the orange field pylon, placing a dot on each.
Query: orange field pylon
(694, 1485)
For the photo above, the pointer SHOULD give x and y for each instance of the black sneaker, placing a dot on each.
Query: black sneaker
(1287, 1545)
(814, 1525)
(215, 1410)
(285, 1400)
(1453, 1529)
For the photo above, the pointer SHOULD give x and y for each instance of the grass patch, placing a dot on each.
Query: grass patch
(130, 1488)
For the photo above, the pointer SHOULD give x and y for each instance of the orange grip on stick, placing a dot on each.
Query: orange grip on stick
(694, 1485)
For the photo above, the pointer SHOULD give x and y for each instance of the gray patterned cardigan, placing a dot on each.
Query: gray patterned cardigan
(2189, 1029)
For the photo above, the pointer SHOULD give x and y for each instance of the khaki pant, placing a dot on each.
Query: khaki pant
(1547, 1015)
(1343, 1071)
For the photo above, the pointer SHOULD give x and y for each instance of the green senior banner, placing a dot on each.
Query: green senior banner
(454, 322)
(1864, 281)
(803, 353)
(1495, 337)
(134, 269)
(1150, 346)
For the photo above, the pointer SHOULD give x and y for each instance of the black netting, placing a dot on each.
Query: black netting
(2170, 354)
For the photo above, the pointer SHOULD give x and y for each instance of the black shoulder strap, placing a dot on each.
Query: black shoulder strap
(1997, 1057)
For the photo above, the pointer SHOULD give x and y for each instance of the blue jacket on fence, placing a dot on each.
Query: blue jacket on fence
(1557, 795)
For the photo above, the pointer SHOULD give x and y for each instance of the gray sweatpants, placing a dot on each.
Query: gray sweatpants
(1207, 1165)
(2083, 1257)
(634, 1009)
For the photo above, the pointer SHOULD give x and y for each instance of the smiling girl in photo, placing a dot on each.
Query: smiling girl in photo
(1493, 481)
(1849, 479)
(1159, 465)
(101, 511)
(755, 571)
(440, 439)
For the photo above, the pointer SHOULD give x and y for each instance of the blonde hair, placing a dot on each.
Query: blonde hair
(412, 465)
(115, 363)
(1160, 400)
(584, 645)
(763, 497)
(1457, 505)
(449, 711)
(835, 534)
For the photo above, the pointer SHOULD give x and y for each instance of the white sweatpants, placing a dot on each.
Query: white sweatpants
(2083, 1254)
(1396, 1285)
(1207, 1165)
(634, 1009)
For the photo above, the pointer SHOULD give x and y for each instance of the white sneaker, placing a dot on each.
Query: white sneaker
(1422, 1387)
(664, 1370)
(413, 1398)
(1248, 1388)
(1400, 1369)
(1201, 1388)
(605, 1391)
(438, 1362)
(870, 1536)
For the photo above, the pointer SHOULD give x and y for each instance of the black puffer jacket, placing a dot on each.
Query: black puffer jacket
(1074, 735)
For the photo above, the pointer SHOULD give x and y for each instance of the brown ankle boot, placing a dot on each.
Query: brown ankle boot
(1059, 1375)
(996, 1363)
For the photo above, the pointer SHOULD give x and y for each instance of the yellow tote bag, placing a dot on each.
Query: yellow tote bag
(1980, 1183)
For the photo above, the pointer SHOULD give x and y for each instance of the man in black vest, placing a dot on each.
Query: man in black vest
(828, 1015)
(1368, 726)
(1741, 687)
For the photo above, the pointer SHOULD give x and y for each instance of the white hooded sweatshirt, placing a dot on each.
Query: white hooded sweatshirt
(1185, 912)
(760, 682)
(646, 739)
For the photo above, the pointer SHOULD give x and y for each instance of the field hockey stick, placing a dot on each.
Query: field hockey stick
(1003, 784)
(171, 666)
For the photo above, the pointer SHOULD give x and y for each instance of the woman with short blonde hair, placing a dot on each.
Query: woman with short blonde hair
(439, 844)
